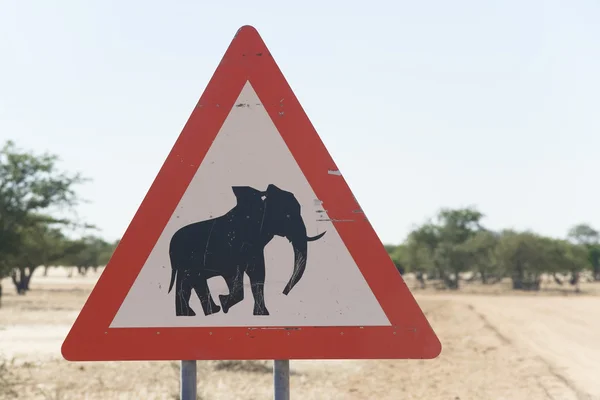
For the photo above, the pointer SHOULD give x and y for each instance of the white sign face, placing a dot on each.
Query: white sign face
(223, 251)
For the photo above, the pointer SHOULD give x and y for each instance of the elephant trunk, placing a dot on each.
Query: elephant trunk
(300, 244)
(300, 251)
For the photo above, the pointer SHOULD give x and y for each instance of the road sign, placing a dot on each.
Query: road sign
(249, 244)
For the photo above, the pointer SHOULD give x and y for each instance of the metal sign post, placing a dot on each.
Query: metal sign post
(281, 379)
(187, 380)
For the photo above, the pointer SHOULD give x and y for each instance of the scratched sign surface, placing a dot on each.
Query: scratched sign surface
(224, 252)
(249, 244)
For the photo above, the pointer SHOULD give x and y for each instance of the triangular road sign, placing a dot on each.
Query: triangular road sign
(249, 244)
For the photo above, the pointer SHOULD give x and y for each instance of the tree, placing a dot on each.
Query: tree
(587, 236)
(483, 257)
(523, 255)
(420, 248)
(594, 257)
(439, 245)
(565, 258)
(584, 234)
(41, 244)
(31, 188)
(88, 252)
(527, 255)
(397, 254)
(575, 259)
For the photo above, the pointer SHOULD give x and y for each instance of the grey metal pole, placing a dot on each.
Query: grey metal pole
(281, 379)
(187, 382)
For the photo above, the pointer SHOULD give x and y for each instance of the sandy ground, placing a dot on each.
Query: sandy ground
(497, 345)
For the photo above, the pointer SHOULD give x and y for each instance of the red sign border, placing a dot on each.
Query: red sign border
(409, 337)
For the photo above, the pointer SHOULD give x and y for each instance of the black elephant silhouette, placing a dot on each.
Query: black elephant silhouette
(233, 244)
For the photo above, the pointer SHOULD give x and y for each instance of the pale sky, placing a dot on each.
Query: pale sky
(422, 105)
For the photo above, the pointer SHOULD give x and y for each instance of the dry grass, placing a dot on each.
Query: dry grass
(486, 354)
(8, 380)
(504, 288)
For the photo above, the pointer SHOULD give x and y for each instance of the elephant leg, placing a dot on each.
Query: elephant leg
(203, 292)
(236, 291)
(182, 298)
(257, 280)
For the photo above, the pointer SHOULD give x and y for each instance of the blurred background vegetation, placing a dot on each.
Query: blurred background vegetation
(39, 229)
(38, 225)
(455, 245)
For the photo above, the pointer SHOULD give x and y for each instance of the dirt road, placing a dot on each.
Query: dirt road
(563, 332)
(494, 347)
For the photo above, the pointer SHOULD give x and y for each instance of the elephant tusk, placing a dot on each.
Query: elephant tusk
(312, 239)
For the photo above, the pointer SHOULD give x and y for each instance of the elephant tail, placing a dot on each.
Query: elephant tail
(173, 273)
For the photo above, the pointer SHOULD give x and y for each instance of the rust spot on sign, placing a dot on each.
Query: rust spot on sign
(275, 328)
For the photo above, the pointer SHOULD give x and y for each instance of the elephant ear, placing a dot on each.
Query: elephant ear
(273, 189)
(246, 195)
